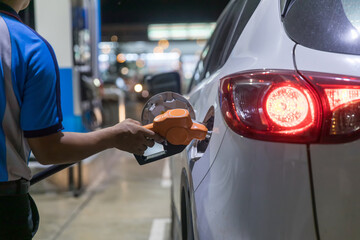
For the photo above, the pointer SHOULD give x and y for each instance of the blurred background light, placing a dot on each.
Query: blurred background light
(124, 70)
(158, 49)
(164, 43)
(180, 31)
(114, 38)
(138, 88)
(121, 58)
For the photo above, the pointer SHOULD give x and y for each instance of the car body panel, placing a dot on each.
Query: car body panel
(313, 60)
(182, 161)
(337, 192)
(263, 43)
(256, 190)
(335, 167)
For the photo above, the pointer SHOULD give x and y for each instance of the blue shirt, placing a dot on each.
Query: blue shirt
(29, 93)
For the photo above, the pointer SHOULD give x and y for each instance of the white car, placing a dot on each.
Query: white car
(278, 84)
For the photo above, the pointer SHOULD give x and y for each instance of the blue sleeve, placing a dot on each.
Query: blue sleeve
(40, 110)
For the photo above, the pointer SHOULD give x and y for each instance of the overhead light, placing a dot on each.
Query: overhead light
(124, 71)
(164, 43)
(158, 49)
(97, 82)
(138, 88)
(114, 38)
(121, 58)
(181, 31)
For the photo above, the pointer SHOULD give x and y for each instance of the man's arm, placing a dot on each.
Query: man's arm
(69, 147)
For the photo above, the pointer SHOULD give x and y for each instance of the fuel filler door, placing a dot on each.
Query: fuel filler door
(171, 116)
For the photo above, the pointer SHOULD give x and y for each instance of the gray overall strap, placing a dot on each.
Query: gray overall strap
(17, 149)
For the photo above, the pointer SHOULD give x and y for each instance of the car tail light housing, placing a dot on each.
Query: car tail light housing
(290, 106)
(340, 99)
(274, 105)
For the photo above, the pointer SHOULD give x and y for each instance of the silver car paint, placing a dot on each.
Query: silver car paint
(248, 189)
(335, 167)
(256, 190)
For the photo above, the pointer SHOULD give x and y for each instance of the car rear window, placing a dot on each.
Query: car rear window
(326, 25)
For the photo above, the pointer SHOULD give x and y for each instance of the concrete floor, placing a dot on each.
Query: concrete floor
(127, 202)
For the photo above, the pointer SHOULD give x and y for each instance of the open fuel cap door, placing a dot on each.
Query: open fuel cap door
(162, 102)
(155, 106)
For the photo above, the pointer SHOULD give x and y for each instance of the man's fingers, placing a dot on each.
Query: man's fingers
(139, 152)
(158, 138)
(150, 134)
(149, 142)
(134, 138)
(133, 121)
(141, 149)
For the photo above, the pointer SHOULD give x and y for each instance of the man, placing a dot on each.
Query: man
(31, 118)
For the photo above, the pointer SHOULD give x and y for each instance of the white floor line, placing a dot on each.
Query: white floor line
(166, 180)
(100, 178)
(158, 229)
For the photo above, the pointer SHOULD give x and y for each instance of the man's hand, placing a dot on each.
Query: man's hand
(131, 137)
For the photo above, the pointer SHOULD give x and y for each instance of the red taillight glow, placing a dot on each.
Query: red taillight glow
(270, 105)
(287, 106)
(339, 97)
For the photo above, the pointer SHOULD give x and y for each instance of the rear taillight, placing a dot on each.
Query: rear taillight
(340, 97)
(285, 106)
(289, 107)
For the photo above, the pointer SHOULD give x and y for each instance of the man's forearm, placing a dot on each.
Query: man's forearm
(69, 147)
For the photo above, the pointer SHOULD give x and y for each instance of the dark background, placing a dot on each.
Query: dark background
(160, 11)
(128, 19)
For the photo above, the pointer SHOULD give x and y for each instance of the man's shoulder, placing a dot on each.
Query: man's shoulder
(26, 41)
(20, 32)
